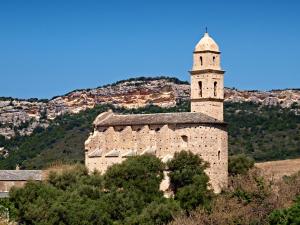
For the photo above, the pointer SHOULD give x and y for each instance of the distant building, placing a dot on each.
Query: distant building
(17, 178)
(201, 131)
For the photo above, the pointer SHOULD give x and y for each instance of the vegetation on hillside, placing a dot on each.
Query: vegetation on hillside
(250, 200)
(43, 100)
(263, 133)
(147, 79)
(286, 216)
(63, 141)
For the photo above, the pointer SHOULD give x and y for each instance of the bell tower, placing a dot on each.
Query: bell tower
(207, 79)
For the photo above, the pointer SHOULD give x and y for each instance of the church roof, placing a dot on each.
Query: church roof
(207, 44)
(111, 119)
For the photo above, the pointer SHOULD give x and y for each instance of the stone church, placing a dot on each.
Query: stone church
(201, 131)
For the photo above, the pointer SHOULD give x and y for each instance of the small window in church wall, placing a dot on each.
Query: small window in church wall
(215, 88)
(214, 60)
(184, 139)
(219, 153)
(200, 88)
(201, 61)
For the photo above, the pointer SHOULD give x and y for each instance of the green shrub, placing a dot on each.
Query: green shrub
(239, 164)
(195, 194)
(188, 180)
(183, 167)
(142, 173)
(157, 213)
(286, 216)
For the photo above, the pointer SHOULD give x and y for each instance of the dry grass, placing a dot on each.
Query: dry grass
(277, 169)
(249, 200)
(4, 221)
(58, 168)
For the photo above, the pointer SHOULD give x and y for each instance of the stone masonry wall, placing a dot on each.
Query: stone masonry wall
(110, 145)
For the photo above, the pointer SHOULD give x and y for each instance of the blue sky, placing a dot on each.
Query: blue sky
(48, 48)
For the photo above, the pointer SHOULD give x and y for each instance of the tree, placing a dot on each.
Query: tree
(183, 167)
(189, 181)
(239, 164)
(143, 173)
(157, 213)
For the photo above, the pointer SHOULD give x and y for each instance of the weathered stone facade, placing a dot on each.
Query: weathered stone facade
(201, 131)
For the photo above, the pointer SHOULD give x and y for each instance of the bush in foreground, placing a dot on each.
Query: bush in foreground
(250, 200)
(287, 216)
(239, 164)
(128, 193)
(189, 181)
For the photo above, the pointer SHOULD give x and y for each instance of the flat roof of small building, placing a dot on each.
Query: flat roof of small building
(20, 175)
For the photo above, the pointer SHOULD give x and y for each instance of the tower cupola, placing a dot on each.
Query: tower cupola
(206, 54)
(206, 43)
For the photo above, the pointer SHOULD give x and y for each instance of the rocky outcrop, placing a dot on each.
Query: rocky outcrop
(284, 98)
(23, 116)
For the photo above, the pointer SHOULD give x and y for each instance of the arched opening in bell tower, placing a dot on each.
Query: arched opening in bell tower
(201, 61)
(215, 88)
(200, 88)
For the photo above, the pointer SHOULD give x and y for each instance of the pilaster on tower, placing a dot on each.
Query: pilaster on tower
(207, 79)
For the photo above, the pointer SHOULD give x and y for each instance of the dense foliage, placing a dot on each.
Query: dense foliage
(263, 133)
(239, 164)
(189, 181)
(128, 193)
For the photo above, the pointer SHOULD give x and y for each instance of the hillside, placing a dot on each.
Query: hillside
(263, 125)
(262, 132)
(277, 169)
(21, 117)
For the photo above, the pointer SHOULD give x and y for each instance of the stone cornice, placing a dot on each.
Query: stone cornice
(193, 72)
(207, 99)
(207, 51)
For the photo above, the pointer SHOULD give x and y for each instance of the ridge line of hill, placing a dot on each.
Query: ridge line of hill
(21, 117)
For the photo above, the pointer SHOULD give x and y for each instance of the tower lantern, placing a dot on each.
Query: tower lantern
(207, 79)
